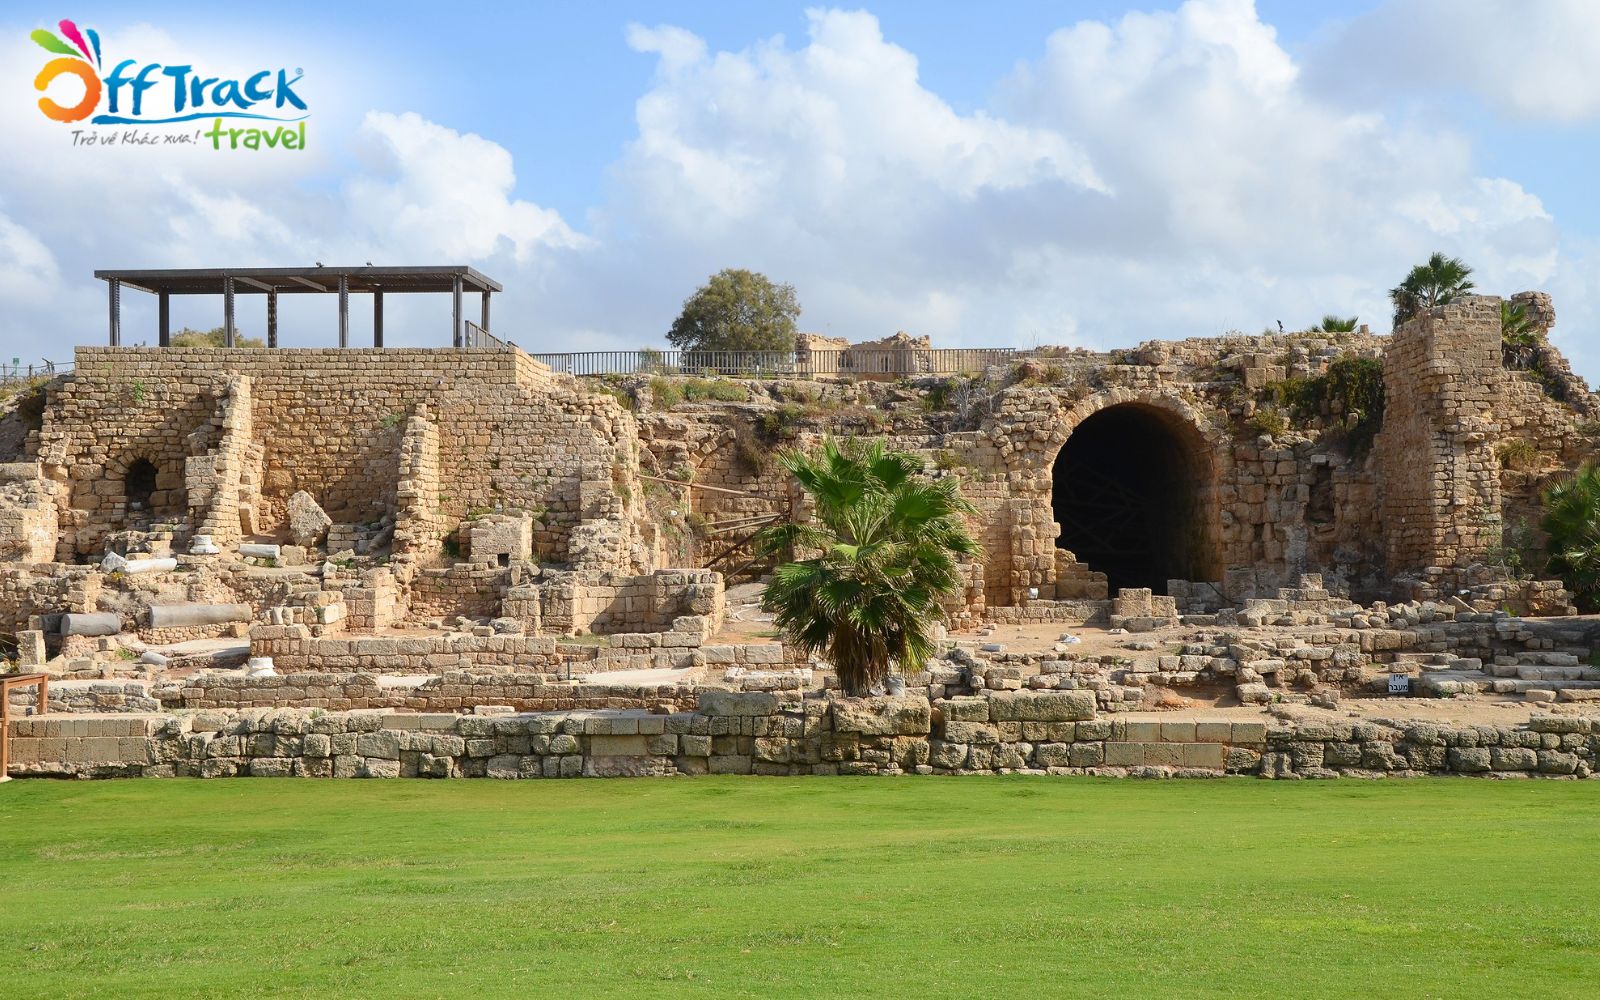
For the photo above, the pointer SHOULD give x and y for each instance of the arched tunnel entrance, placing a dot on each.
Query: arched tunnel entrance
(1133, 495)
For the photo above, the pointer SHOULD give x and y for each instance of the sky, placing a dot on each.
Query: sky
(1013, 174)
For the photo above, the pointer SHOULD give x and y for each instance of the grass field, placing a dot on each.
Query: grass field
(968, 887)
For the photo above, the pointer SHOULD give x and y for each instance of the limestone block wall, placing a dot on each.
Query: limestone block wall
(585, 603)
(213, 481)
(30, 590)
(459, 589)
(331, 422)
(418, 527)
(29, 521)
(453, 691)
(297, 648)
(1439, 488)
(772, 734)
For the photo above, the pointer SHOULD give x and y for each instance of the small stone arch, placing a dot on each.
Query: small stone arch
(141, 493)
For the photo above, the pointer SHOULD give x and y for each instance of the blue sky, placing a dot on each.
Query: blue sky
(1088, 173)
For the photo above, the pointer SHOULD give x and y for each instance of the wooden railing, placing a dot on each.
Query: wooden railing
(7, 682)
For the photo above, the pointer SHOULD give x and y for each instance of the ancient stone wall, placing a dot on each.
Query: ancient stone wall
(1439, 488)
(775, 734)
(452, 691)
(29, 590)
(1277, 481)
(332, 422)
(667, 600)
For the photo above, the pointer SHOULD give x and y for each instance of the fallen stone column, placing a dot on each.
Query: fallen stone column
(93, 623)
(114, 563)
(181, 615)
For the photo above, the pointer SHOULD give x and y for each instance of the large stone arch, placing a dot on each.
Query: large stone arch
(1196, 453)
(1133, 495)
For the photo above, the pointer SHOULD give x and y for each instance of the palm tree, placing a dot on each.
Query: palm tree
(1519, 337)
(1572, 523)
(1335, 324)
(1428, 285)
(887, 539)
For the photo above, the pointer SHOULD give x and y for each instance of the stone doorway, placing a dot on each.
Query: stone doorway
(139, 486)
(1133, 492)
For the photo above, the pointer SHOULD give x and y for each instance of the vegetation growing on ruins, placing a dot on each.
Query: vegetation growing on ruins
(213, 337)
(1434, 283)
(666, 393)
(780, 424)
(748, 449)
(1269, 420)
(1572, 524)
(1336, 324)
(1350, 390)
(1519, 337)
(888, 539)
(737, 310)
(730, 887)
(1518, 454)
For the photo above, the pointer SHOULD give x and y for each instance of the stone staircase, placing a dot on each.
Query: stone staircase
(1544, 675)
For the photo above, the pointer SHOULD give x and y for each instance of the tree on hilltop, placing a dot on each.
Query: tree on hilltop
(737, 310)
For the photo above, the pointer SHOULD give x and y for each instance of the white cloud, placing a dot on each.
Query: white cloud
(438, 191)
(1164, 175)
(1527, 60)
(28, 270)
(1169, 174)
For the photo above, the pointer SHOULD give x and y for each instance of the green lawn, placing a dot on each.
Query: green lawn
(965, 887)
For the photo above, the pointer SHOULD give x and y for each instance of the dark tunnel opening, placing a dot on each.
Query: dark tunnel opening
(1126, 494)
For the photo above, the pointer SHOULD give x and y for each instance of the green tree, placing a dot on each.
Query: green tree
(1336, 324)
(737, 310)
(212, 338)
(1428, 285)
(1519, 337)
(1572, 524)
(887, 541)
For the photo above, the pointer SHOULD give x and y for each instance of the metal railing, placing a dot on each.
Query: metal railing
(859, 362)
(476, 336)
(16, 371)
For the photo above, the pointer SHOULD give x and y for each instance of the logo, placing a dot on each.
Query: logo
(151, 93)
(82, 60)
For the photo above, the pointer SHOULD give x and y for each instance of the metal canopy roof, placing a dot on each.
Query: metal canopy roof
(229, 282)
(286, 280)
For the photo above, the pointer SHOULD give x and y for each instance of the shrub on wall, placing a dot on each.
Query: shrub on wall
(1572, 524)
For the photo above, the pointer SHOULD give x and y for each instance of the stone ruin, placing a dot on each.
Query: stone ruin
(209, 538)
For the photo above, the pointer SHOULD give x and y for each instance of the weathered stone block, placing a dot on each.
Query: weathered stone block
(905, 715)
(1041, 706)
(1124, 754)
(737, 703)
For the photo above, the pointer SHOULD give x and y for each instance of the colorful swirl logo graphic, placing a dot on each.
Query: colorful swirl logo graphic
(80, 59)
